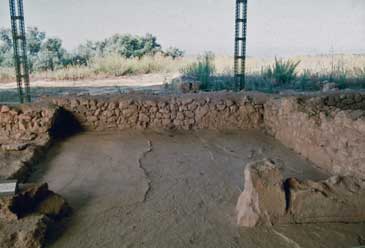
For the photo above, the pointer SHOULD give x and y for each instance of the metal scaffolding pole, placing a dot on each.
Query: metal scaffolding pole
(20, 49)
(240, 44)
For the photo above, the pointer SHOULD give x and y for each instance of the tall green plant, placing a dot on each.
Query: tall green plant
(282, 72)
(202, 70)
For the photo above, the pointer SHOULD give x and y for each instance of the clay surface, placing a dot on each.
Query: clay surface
(172, 189)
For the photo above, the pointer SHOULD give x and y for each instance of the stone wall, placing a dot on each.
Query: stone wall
(25, 133)
(196, 111)
(328, 130)
(25, 123)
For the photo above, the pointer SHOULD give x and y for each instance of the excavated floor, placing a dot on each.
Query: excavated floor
(172, 189)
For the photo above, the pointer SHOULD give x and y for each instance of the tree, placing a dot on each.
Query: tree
(48, 54)
(174, 52)
(51, 55)
(35, 39)
(6, 46)
(130, 46)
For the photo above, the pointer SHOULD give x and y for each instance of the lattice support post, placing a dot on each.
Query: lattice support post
(20, 49)
(240, 44)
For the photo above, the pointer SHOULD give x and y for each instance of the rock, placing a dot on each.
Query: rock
(186, 87)
(263, 199)
(201, 112)
(338, 199)
(4, 109)
(26, 233)
(32, 198)
(329, 87)
(92, 118)
(180, 116)
(24, 218)
(269, 200)
(14, 147)
(54, 206)
(74, 103)
(6, 213)
(144, 118)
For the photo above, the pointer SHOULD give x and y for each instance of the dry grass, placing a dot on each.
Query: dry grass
(324, 64)
(115, 66)
(107, 67)
(7, 74)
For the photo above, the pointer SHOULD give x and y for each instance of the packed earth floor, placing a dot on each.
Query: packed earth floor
(172, 189)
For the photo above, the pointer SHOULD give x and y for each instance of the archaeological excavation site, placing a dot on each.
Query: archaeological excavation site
(190, 170)
(113, 138)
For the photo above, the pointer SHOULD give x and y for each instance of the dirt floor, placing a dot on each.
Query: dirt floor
(178, 189)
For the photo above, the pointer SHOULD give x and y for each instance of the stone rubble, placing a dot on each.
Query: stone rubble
(25, 217)
(24, 135)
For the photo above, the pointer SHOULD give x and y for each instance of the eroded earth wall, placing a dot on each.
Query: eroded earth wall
(328, 130)
(24, 134)
(26, 123)
(196, 111)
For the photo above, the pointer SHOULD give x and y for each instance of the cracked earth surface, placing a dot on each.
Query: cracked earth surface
(172, 189)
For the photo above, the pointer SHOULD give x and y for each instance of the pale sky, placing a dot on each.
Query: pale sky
(275, 27)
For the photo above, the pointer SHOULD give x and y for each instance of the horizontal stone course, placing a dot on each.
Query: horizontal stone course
(327, 129)
(200, 111)
(332, 136)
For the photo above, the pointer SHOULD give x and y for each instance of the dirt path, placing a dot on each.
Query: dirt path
(144, 80)
(151, 189)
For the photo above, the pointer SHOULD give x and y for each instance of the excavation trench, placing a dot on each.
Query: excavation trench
(171, 189)
(134, 186)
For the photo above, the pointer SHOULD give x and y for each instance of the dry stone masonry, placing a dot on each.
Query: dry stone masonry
(196, 111)
(328, 130)
(24, 134)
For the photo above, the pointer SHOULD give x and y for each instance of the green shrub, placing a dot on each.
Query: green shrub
(202, 70)
(174, 53)
(282, 72)
(359, 73)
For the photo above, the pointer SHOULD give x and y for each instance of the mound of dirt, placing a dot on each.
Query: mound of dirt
(25, 216)
(269, 200)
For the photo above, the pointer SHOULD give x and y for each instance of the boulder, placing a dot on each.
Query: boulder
(14, 147)
(26, 233)
(263, 199)
(327, 87)
(25, 216)
(268, 200)
(54, 206)
(33, 199)
(337, 199)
